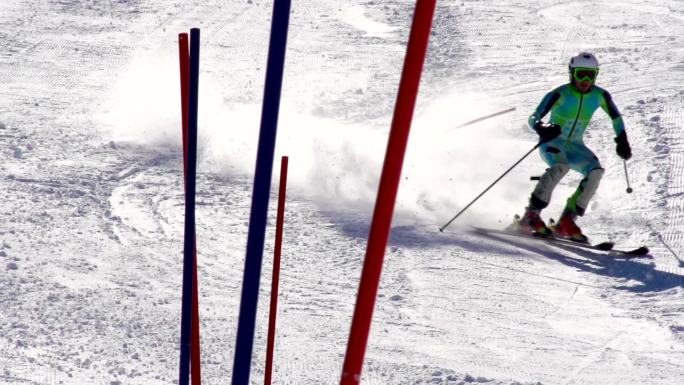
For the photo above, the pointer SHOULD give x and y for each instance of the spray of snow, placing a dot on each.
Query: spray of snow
(145, 104)
(332, 162)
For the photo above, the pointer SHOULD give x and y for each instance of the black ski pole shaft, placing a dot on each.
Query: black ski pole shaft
(629, 189)
(441, 229)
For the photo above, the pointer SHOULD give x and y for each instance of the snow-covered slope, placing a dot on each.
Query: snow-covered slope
(92, 203)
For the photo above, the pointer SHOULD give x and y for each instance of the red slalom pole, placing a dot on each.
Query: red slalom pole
(387, 191)
(276, 271)
(184, 59)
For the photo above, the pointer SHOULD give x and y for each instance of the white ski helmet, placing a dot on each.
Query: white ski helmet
(583, 60)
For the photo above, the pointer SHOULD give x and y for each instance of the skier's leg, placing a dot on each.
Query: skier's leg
(584, 161)
(576, 206)
(578, 202)
(558, 167)
(541, 196)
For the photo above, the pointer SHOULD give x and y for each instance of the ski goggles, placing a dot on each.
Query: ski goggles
(583, 74)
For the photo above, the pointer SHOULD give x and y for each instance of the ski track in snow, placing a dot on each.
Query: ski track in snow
(91, 241)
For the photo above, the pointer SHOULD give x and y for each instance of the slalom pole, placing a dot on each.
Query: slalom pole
(276, 272)
(190, 185)
(485, 117)
(441, 229)
(387, 191)
(629, 189)
(184, 61)
(261, 192)
(195, 352)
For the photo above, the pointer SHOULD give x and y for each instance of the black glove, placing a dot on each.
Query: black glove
(547, 131)
(623, 150)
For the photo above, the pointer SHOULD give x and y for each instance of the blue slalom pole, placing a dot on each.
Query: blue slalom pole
(261, 192)
(189, 244)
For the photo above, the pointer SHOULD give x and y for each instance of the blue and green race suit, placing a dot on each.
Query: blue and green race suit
(572, 111)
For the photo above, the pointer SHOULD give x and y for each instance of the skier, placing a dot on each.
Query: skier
(562, 147)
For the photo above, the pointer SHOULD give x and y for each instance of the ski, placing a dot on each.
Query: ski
(603, 246)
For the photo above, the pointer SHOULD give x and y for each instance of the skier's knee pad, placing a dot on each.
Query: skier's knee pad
(589, 186)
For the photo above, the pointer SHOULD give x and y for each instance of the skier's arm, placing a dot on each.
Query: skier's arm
(623, 149)
(543, 108)
(611, 109)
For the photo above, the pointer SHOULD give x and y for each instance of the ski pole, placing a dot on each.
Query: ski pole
(485, 117)
(629, 189)
(441, 229)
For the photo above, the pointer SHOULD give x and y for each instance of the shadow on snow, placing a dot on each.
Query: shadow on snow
(410, 236)
(649, 278)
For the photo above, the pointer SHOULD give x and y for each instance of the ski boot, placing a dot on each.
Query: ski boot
(531, 223)
(567, 228)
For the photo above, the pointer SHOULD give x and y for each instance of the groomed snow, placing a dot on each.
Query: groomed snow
(92, 201)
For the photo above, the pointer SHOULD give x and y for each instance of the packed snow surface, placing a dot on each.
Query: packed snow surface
(91, 179)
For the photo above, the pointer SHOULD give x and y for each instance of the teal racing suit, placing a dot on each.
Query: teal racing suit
(572, 111)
